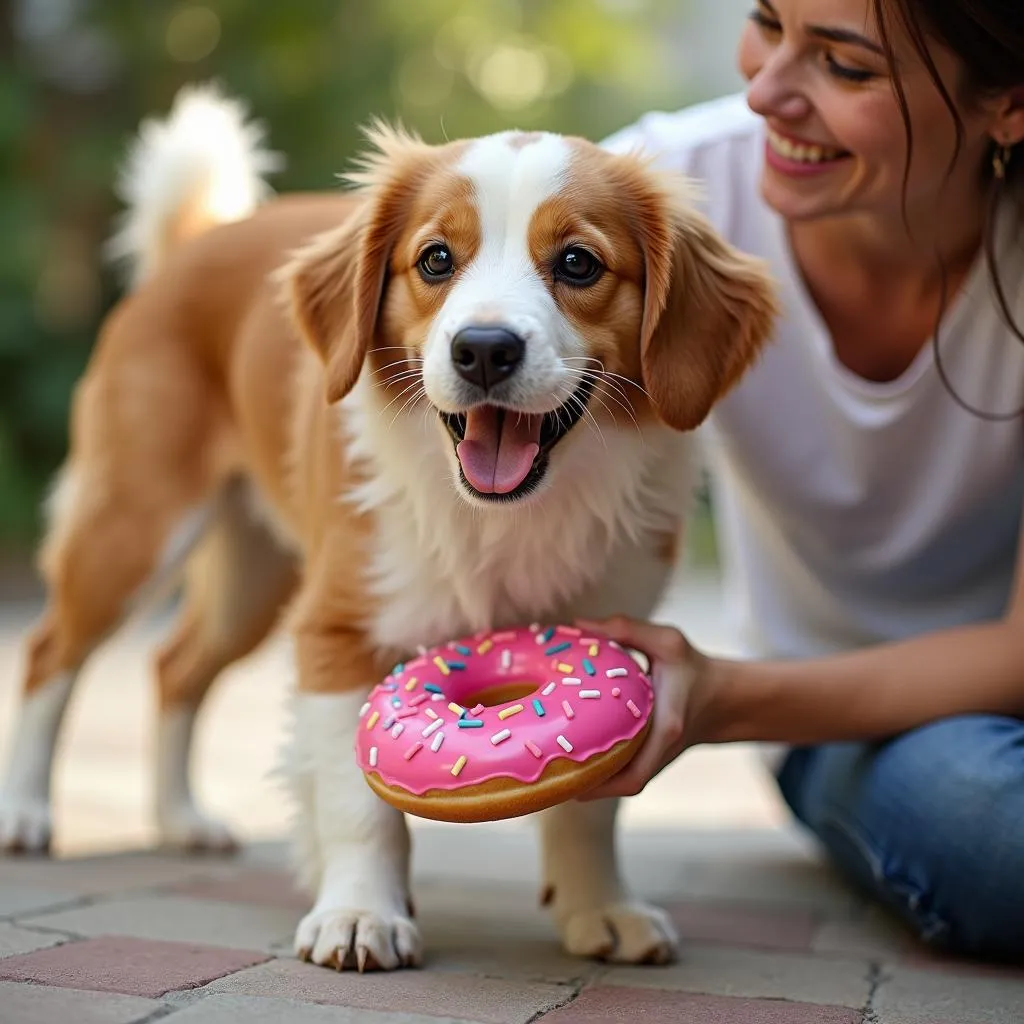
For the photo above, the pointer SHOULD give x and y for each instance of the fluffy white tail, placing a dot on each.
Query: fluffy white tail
(200, 166)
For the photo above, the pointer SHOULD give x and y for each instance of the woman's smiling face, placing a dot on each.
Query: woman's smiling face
(836, 140)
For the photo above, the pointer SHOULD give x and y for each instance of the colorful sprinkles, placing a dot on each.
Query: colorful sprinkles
(413, 695)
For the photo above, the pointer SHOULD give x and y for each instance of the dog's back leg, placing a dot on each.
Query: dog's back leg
(132, 498)
(103, 548)
(238, 580)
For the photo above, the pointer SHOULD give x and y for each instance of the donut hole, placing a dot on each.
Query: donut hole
(502, 693)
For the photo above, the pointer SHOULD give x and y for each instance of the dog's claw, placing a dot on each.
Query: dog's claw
(339, 938)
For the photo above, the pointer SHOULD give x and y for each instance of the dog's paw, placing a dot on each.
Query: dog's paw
(187, 830)
(344, 939)
(25, 825)
(625, 933)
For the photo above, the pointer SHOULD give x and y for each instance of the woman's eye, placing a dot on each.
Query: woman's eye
(436, 263)
(850, 74)
(578, 266)
(759, 18)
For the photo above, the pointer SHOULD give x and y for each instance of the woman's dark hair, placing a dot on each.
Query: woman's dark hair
(988, 38)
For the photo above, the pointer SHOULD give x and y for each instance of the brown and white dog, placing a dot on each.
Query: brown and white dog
(457, 397)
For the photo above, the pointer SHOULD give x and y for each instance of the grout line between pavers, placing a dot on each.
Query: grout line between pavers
(160, 1013)
(576, 986)
(48, 908)
(571, 997)
(875, 977)
(41, 929)
(89, 899)
(84, 900)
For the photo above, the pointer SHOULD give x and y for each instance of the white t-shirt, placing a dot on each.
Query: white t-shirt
(851, 512)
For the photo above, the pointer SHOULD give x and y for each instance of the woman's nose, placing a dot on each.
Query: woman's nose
(774, 89)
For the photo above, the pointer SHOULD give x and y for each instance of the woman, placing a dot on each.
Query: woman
(868, 473)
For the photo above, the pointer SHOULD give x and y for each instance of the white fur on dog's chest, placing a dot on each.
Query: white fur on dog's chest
(442, 568)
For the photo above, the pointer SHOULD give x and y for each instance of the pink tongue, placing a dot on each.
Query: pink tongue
(499, 448)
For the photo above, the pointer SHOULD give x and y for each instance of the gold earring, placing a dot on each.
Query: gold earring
(1000, 160)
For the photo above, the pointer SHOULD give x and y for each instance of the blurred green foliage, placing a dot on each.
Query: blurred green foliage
(77, 76)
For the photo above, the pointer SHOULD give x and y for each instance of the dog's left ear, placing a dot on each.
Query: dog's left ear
(708, 310)
(336, 284)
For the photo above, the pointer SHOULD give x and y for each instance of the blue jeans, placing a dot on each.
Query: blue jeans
(929, 823)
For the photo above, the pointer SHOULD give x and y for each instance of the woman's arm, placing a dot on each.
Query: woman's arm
(867, 694)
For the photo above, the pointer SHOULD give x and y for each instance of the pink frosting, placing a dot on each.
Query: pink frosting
(591, 692)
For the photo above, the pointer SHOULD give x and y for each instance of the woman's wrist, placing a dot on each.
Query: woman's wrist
(715, 710)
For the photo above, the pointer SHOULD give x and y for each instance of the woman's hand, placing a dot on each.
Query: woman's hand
(676, 670)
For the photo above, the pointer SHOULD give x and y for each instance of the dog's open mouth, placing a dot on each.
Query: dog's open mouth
(503, 454)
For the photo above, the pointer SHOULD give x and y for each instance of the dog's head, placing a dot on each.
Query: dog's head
(520, 282)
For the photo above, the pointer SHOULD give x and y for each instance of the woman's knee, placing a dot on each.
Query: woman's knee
(930, 822)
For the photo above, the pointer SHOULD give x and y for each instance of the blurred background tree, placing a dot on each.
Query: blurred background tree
(77, 76)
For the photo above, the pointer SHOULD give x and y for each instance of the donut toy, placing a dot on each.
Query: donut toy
(502, 724)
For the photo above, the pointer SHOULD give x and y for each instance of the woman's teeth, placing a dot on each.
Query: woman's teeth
(805, 153)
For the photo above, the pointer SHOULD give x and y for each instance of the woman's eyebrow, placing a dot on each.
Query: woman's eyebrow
(844, 35)
(833, 35)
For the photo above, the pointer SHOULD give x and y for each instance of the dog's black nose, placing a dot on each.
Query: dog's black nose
(486, 355)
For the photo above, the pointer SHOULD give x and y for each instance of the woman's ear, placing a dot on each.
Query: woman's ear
(335, 285)
(1008, 127)
(708, 310)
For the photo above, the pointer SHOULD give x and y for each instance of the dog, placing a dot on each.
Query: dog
(460, 394)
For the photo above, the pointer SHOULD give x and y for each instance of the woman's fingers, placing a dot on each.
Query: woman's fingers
(660, 746)
(663, 643)
(670, 655)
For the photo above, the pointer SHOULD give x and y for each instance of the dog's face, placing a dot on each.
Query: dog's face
(520, 282)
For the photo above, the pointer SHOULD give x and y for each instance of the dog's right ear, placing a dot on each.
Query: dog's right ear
(336, 283)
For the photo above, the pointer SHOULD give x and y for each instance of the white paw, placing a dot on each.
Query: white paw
(625, 933)
(24, 824)
(343, 938)
(187, 830)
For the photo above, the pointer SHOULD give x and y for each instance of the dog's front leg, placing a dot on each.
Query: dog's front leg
(353, 849)
(594, 913)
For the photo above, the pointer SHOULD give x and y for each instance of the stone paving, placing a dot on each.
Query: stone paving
(113, 931)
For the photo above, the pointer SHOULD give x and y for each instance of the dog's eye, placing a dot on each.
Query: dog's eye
(436, 263)
(578, 266)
